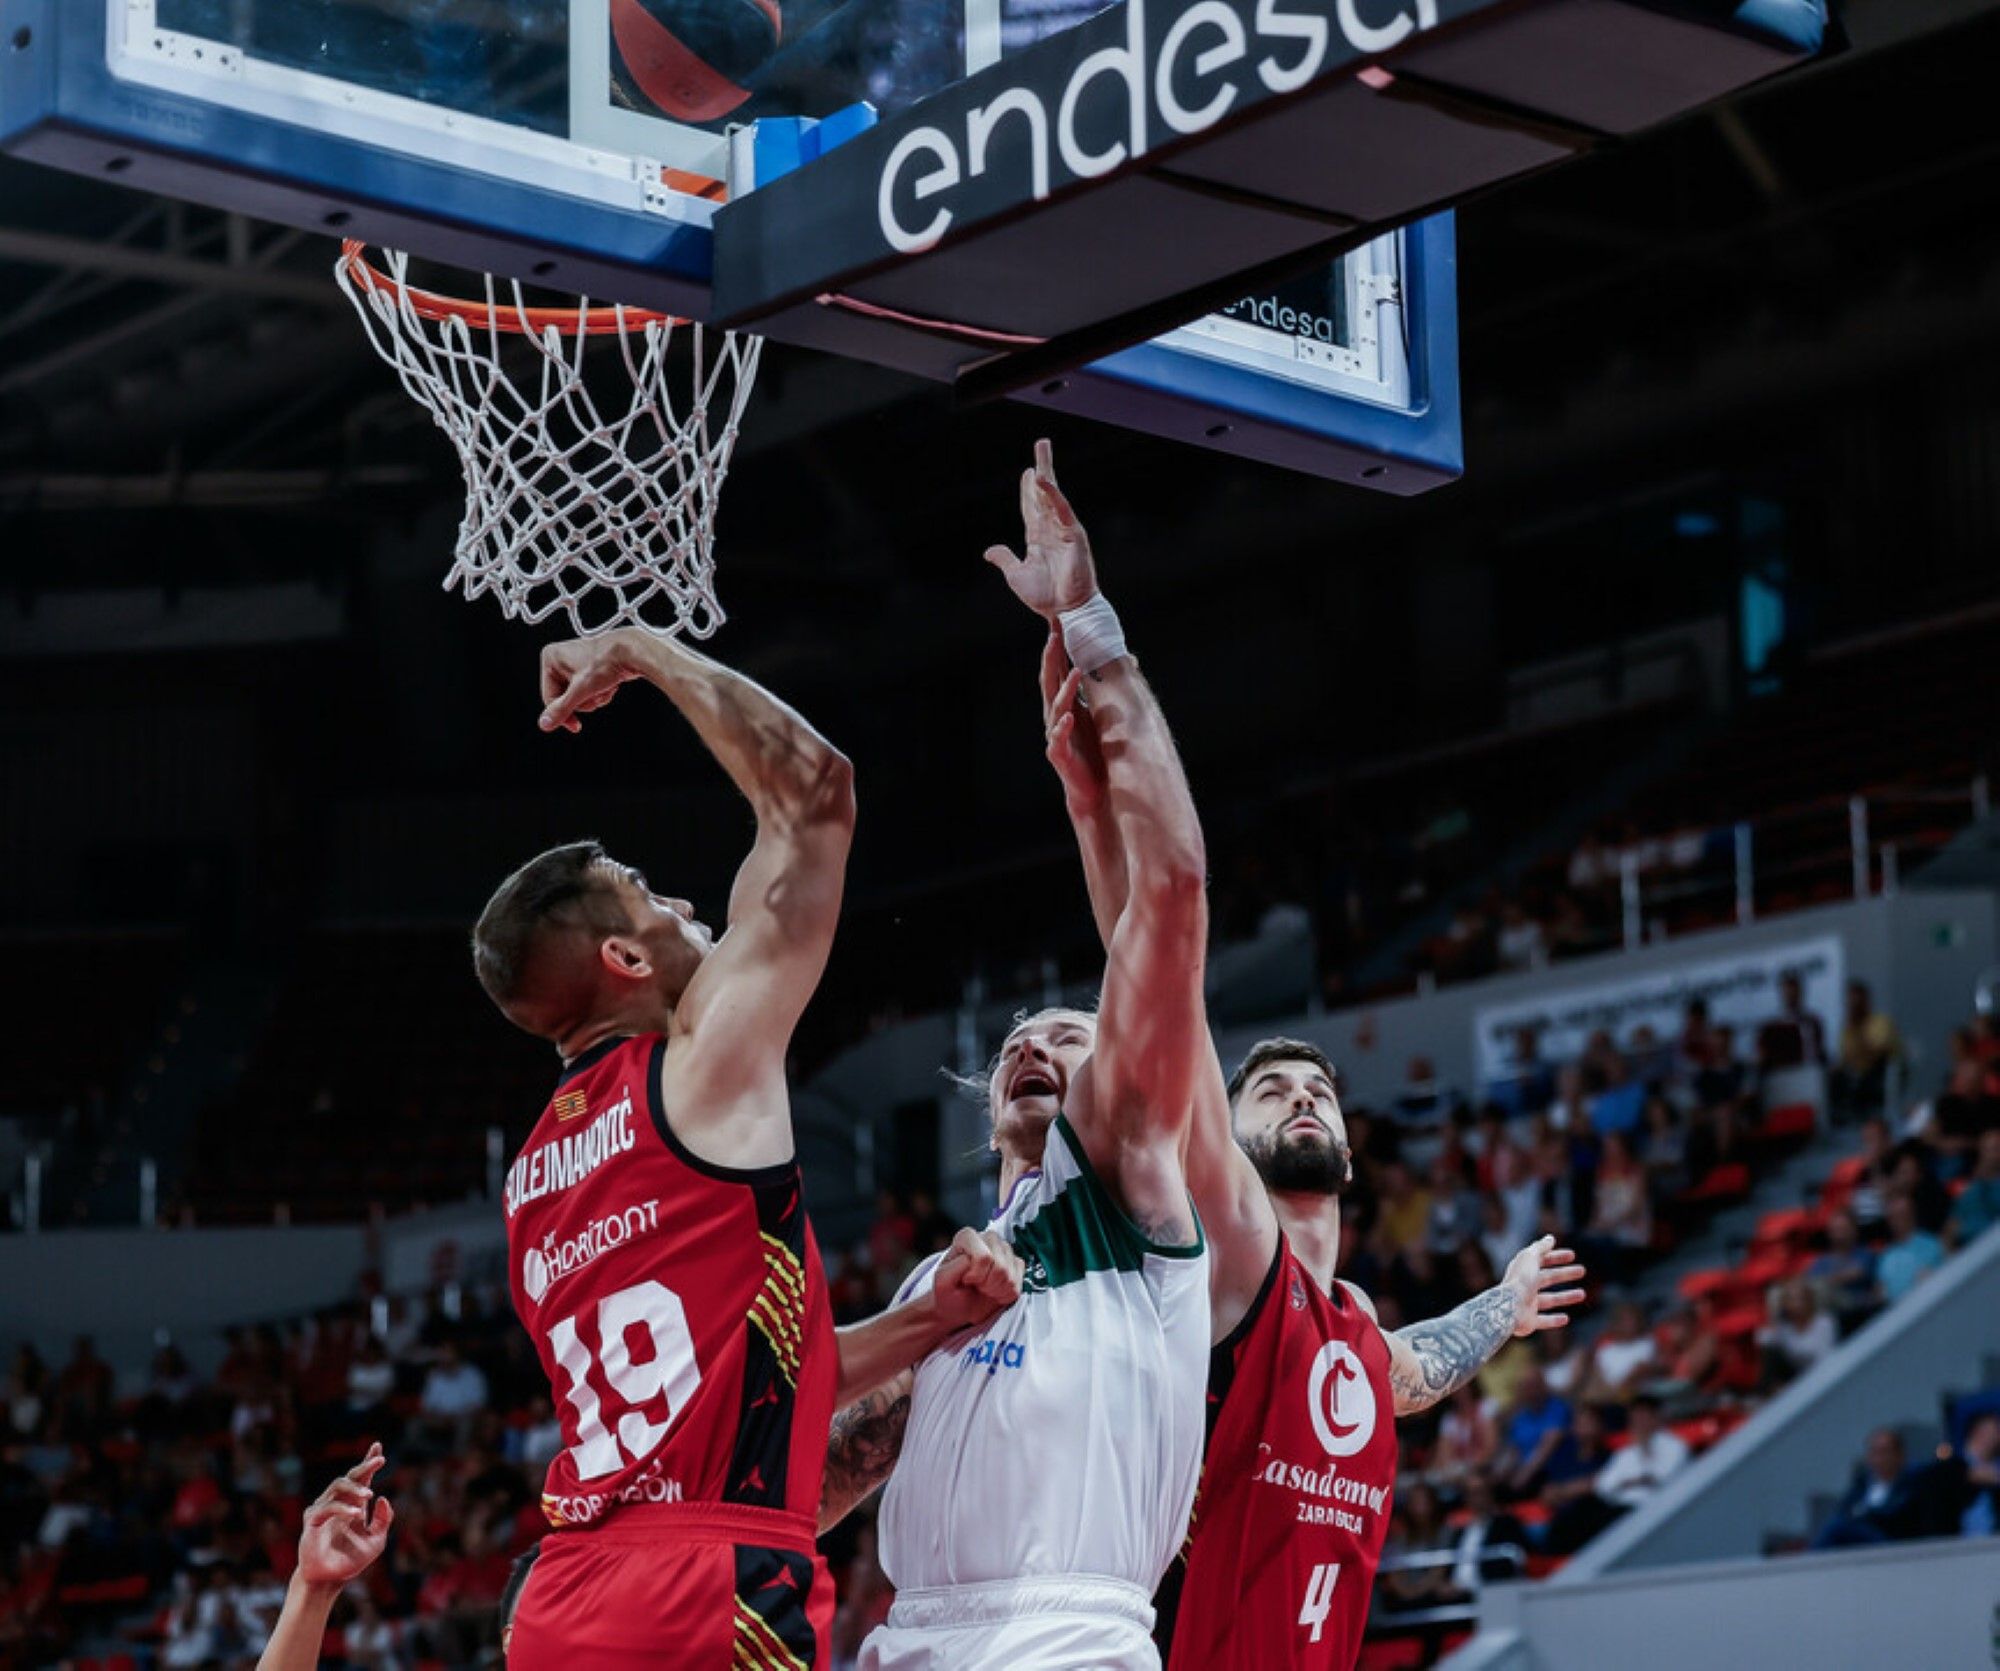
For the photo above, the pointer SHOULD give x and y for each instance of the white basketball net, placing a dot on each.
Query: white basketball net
(607, 515)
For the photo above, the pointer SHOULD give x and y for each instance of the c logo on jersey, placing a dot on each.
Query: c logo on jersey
(1340, 1400)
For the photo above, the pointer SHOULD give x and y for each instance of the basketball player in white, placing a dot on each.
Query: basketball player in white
(1049, 1459)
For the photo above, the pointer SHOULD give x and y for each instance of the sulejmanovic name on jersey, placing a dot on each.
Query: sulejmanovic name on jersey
(569, 1160)
(1062, 1441)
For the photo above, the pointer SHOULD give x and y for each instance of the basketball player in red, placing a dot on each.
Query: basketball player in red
(1301, 1456)
(658, 1246)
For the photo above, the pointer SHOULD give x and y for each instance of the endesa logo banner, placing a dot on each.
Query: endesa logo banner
(1140, 75)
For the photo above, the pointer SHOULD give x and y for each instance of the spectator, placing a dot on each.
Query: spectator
(1869, 1201)
(28, 1392)
(1507, 1175)
(1491, 1544)
(1707, 1054)
(1565, 1361)
(1536, 1429)
(1499, 1237)
(1468, 1439)
(1624, 1356)
(1912, 1254)
(1666, 1149)
(1570, 1108)
(1798, 1337)
(1971, 1480)
(1652, 1455)
(1869, 1049)
(1882, 1503)
(371, 1380)
(1576, 1513)
(1417, 1529)
(454, 1391)
(1529, 1083)
(83, 1391)
(541, 1436)
(1844, 1274)
(1457, 1212)
(1621, 1105)
(1425, 1099)
(1521, 943)
(1621, 1219)
(1689, 1356)
(1405, 1210)
(1910, 1175)
(1978, 1204)
(1793, 1037)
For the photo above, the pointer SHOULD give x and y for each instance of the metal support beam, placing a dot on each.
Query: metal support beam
(154, 266)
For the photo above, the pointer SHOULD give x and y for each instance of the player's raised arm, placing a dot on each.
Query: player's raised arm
(1133, 1102)
(1235, 1211)
(1431, 1360)
(739, 1010)
(346, 1529)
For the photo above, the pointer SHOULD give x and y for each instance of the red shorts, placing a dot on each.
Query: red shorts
(704, 1586)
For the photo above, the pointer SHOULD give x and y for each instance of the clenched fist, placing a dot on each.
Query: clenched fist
(979, 1277)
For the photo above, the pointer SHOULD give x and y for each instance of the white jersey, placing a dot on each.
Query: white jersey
(1064, 1439)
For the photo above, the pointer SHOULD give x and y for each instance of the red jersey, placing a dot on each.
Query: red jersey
(1295, 1487)
(679, 1307)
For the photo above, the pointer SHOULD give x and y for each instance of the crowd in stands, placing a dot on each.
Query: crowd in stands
(167, 1521)
(1955, 1494)
(1619, 1153)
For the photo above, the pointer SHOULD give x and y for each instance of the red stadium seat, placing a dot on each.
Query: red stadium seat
(1740, 1321)
(1762, 1269)
(1727, 1182)
(1787, 1224)
(1708, 1284)
(1795, 1120)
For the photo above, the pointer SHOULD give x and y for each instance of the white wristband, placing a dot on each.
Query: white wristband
(1092, 635)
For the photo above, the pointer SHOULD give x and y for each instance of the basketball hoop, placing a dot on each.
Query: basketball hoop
(604, 512)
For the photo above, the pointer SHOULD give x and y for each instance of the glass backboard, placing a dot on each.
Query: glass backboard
(586, 143)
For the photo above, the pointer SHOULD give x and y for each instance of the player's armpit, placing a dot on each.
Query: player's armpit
(862, 1448)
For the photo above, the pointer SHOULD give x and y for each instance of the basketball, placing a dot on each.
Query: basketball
(688, 59)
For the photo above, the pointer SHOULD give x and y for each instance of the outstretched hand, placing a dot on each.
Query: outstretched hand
(580, 675)
(346, 1527)
(979, 1277)
(1055, 571)
(1534, 1276)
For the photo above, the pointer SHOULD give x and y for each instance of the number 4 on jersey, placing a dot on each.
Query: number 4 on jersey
(1319, 1596)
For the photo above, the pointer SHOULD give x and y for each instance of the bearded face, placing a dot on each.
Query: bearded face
(1297, 1162)
(1288, 1122)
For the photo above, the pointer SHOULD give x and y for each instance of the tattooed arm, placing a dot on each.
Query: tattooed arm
(1430, 1361)
(861, 1450)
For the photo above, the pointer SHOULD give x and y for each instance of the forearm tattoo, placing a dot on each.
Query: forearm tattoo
(862, 1448)
(1441, 1355)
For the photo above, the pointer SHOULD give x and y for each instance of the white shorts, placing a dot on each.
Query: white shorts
(1017, 1624)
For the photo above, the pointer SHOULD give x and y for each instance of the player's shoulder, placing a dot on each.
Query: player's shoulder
(1362, 1302)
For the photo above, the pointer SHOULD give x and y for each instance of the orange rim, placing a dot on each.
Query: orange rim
(429, 304)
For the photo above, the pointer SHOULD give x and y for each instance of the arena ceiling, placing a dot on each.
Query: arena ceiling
(155, 356)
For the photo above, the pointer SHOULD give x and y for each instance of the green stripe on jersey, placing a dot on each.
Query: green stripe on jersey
(1081, 1229)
